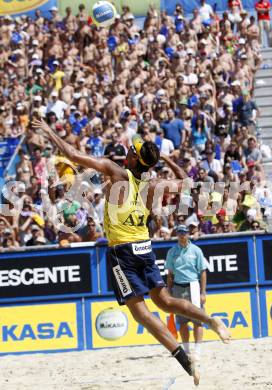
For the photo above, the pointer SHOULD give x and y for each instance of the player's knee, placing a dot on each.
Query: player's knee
(142, 317)
(166, 304)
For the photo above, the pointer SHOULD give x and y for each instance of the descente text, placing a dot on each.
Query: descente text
(28, 276)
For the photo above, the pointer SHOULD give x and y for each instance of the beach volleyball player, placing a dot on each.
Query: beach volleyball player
(129, 200)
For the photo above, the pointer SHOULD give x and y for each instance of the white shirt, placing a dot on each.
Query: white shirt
(99, 208)
(190, 79)
(215, 166)
(167, 146)
(130, 132)
(58, 107)
(205, 12)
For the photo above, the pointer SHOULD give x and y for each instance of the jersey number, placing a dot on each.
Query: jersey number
(131, 222)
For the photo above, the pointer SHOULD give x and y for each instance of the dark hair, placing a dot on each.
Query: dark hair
(150, 154)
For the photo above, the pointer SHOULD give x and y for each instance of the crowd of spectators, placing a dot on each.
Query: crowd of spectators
(186, 84)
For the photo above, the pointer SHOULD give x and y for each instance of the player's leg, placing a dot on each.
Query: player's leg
(162, 298)
(159, 330)
(183, 292)
(198, 337)
(185, 336)
(153, 324)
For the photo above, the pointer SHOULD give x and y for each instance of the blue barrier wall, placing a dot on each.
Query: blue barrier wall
(61, 299)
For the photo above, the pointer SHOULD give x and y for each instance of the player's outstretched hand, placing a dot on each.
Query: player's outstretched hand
(41, 124)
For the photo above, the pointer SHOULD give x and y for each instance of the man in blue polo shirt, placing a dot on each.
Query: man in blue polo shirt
(174, 129)
(187, 280)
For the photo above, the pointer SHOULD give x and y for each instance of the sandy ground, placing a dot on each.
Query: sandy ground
(244, 364)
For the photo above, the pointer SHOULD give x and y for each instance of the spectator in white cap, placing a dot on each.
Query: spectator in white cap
(56, 105)
(38, 106)
(251, 216)
(55, 17)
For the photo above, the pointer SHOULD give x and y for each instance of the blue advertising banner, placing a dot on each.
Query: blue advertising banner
(230, 262)
(264, 248)
(45, 275)
(26, 7)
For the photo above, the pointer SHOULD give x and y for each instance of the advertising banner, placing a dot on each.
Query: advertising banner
(228, 262)
(110, 325)
(26, 7)
(267, 259)
(138, 8)
(268, 296)
(43, 327)
(45, 275)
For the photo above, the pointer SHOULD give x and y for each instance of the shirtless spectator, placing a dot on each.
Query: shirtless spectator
(184, 84)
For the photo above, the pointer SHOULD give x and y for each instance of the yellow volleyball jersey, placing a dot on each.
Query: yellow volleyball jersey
(127, 223)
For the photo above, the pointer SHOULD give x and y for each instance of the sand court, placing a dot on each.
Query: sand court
(244, 364)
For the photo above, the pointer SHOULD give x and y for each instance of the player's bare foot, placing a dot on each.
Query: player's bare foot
(194, 357)
(218, 326)
(195, 373)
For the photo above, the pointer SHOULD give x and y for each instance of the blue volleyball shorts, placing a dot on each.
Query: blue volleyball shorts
(133, 270)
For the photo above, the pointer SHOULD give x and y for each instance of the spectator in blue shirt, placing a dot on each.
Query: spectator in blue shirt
(199, 134)
(179, 23)
(245, 109)
(95, 143)
(174, 129)
(77, 122)
(193, 98)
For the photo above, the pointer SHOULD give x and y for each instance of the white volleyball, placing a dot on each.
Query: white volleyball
(104, 13)
(111, 324)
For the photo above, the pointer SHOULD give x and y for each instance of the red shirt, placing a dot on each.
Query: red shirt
(234, 3)
(264, 5)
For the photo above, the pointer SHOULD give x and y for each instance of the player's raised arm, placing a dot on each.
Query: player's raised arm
(102, 165)
(178, 171)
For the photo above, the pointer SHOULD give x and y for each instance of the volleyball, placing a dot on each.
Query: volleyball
(111, 324)
(104, 13)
